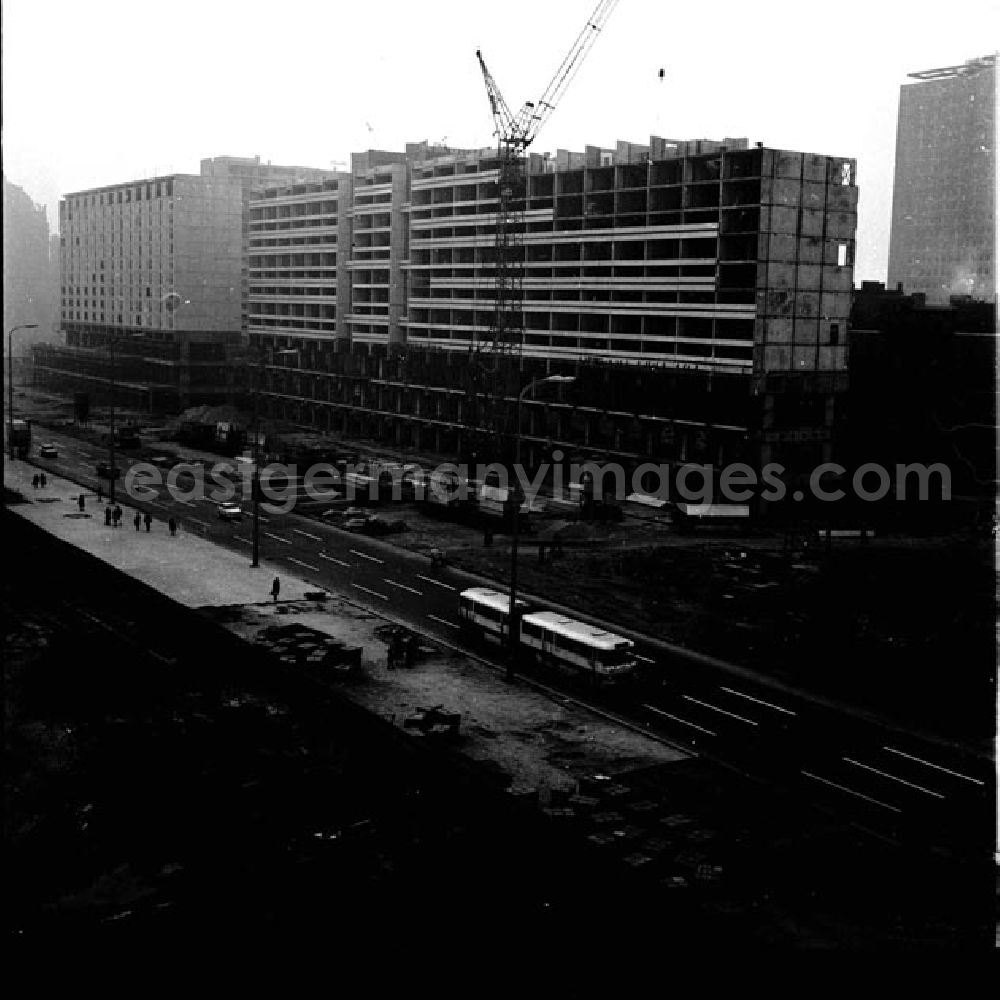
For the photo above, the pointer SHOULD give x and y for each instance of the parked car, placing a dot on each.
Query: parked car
(104, 471)
(229, 512)
(48, 451)
(380, 526)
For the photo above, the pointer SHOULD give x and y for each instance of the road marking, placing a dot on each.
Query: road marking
(645, 659)
(437, 583)
(156, 503)
(937, 767)
(366, 556)
(299, 562)
(374, 593)
(893, 777)
(240, 538)
(851, 791)
(402, 586)
(204, 524)
(187, 503)
(750, 697)
(677, 718)
(339, 562)
(315, 538)
(721, 711)
(277, 538)
(443, 622)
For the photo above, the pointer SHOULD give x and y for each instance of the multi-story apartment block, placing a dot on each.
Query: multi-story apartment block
(719, 274)
(942, 241)
(299, 287)
(157, 270)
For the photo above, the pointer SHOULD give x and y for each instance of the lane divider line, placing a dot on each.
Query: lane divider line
(677, 718)
(893, 777)
(334, 559)
(938, 767)
(721, 711)
(277, 538)
(299, 562)
(443, 622)
(750, 697)
(437, 583)
(364, 555)
(402, 586)
(298, 531)
(851, 791)
(374, 593)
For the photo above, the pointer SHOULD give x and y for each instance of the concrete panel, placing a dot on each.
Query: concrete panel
(814, 168)
(841, 225)
(838, 279)
(777, 330)
(780, 191)
(780, 275)
(809, 277)
(780, 219)
(781, 246)
(831, 255)
(803, 358)
(841, 199)
(777, 359)
(810, 250)
(788, 164)
(807, 304)
(813, 195)
(833, 358)
(806, 332)
(835, 306)
(812, 222)
(778, 303)
(839, 169)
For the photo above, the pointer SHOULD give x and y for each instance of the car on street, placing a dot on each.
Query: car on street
(104, 471)
(48, 451)
(229, 512)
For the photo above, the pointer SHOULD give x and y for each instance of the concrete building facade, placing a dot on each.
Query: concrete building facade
(942, 241)
(715, 275)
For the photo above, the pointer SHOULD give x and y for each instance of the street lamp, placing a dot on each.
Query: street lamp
(255, 482)
(10, 375)
(515, 622)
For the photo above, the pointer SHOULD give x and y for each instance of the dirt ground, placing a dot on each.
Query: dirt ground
(541, 743)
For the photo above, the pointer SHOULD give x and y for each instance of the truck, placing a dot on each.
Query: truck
(19, 437)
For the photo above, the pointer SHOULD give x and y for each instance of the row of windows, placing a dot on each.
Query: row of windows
(137, 192)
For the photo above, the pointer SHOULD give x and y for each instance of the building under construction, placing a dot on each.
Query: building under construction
(699, 292)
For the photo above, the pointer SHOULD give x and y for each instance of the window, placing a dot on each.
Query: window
(834, 333)
(842, 255)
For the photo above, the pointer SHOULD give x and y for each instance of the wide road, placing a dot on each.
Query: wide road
(904, 788)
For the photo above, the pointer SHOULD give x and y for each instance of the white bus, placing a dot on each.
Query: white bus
(551, 638)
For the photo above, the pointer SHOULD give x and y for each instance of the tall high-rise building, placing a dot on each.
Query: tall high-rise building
(943, 210)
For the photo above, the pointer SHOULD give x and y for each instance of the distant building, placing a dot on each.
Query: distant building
(30, 271)
(158, 267)
(942, 241)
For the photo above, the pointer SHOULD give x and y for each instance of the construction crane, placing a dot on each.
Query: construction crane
(495, 371)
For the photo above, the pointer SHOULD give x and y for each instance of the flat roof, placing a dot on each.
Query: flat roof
(491, 598)
(573, 629)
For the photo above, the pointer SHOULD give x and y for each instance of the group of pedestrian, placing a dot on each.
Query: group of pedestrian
(113, 518)
(38, 481)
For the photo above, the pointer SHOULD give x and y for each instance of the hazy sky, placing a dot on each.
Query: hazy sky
(105, 91)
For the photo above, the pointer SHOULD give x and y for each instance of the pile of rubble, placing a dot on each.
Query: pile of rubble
(301, 646)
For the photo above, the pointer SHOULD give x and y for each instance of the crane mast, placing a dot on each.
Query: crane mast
(496, 366)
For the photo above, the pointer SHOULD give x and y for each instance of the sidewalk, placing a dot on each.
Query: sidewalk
(187, 568)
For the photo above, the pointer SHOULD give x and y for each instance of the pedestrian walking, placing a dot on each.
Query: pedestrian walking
(148, 519)
(108, 513)
(42, 480)
(172, 525)
(275, 589)
(80, 502)
(100, 494)
(118, 516)
(34, 482)
(137, 521)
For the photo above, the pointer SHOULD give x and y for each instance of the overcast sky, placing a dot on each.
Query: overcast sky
(105, 91)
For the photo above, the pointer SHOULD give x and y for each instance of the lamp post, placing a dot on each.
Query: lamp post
(514, 635)
(10, 376)
(255, 482)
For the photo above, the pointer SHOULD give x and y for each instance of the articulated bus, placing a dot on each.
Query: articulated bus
(548, 637)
